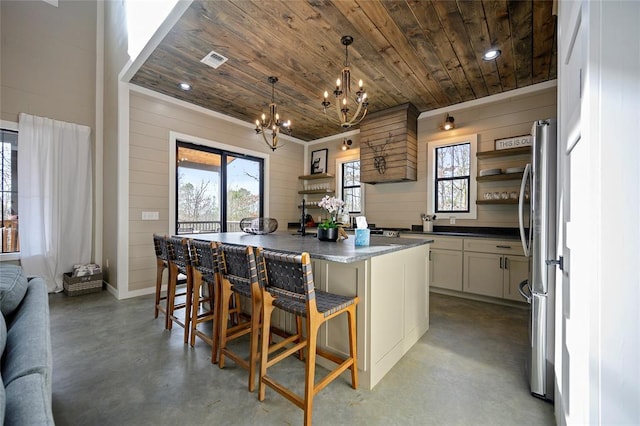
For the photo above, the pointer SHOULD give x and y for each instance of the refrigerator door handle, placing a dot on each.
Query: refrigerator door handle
(525, 177)
(559, 262)
(521, 287)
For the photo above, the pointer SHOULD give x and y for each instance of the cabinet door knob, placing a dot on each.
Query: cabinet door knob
(503, 247)
(501, 260)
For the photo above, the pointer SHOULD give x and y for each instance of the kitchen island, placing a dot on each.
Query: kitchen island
(390, 276)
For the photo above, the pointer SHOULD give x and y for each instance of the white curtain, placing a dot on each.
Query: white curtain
(54, 197)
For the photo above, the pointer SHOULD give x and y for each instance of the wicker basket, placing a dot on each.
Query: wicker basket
(75, 286)
(258, 225)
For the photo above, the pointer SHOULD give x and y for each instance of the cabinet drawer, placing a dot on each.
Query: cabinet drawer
(513, 247)
(446, 243)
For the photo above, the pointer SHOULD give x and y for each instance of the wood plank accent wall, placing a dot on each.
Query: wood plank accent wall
(392, 135)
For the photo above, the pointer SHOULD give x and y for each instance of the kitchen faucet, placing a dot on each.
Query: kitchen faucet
(303, 231)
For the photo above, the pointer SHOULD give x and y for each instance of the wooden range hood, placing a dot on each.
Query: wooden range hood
(388, 145)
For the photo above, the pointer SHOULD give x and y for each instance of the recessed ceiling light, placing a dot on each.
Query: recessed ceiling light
(185, 86)
(491, 54)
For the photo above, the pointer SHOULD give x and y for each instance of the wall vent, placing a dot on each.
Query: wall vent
(214, 60)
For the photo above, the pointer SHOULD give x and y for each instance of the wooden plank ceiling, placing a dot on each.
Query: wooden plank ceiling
(424, 52)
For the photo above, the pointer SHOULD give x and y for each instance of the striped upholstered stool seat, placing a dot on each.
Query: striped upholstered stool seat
(326, 303)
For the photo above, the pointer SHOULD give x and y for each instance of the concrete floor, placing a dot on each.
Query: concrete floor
(113, 364)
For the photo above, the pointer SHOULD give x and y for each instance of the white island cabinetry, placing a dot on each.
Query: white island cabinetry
(393, 312)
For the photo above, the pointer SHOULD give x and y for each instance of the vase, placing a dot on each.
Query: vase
(330, 234)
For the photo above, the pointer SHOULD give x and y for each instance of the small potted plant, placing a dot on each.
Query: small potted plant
(328, 228)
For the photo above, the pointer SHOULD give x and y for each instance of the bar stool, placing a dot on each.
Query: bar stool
(162, 263)
(287, 283)
(204, 264)
(238, 276)
(179, 263)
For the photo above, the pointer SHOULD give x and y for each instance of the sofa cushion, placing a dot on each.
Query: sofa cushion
(13, 286)
(28, 402)
(28, 347)
(2, 401)
(3, 333)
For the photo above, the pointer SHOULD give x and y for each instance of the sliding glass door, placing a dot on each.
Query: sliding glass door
(216, 189)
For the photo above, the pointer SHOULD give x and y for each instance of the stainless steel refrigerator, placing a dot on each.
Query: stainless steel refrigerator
(538, 224)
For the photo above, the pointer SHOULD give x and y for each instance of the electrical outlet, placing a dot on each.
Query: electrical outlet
(150, 215)
(452, 220)
(106, 263)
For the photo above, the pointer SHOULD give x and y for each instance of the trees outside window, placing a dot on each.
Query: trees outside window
(452, 178)
(216, 189)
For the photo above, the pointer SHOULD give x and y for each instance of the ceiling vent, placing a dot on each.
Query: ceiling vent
(214, 60)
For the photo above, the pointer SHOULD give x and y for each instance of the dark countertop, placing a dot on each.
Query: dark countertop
(343, 251)
(470, 232)
(463, 234)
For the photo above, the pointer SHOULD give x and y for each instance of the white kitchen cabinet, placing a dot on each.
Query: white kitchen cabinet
(482, 274)
(494, 268)
(446, 263)
(516, 271)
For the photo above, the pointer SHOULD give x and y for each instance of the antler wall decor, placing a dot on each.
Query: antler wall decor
(379, 161)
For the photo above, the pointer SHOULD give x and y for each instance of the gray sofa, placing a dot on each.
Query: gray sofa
(25, 397)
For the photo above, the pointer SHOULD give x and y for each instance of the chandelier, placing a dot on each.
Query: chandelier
(346, 102)
(272, 125)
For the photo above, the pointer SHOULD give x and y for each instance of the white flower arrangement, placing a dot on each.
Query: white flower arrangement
(333, 206)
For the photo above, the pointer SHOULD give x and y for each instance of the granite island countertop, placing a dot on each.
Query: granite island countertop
(342, 251)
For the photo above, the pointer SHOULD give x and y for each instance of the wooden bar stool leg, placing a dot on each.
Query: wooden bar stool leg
(171, 295)
(160, 266)
(215, 347)
(267, 310)
(225, 297)
(310, 370)
(254, 349)
(351, 312)
(300, 337)
(187, 307)
(195, 304)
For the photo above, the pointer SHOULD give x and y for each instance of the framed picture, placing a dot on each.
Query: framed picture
(319, 161)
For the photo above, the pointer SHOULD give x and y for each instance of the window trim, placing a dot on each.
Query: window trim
(347, 158)
(473, 190)
(174, 137)
(12, 126)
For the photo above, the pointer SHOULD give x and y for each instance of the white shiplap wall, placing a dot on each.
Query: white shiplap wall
(151, 121)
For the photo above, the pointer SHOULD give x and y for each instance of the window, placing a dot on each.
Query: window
(348, 185)
(216, 188)
(9, 190)
(451, 169)
(452, 178)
